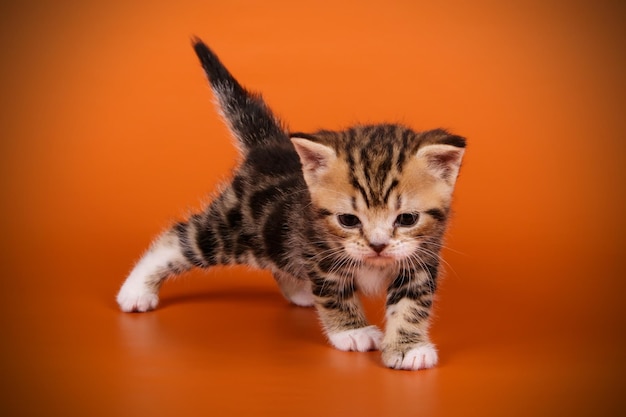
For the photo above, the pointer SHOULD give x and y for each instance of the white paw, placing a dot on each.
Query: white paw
(136, 298)
(361, 340)
(421, 357)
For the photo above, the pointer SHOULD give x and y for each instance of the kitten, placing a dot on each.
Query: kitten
(331, 214)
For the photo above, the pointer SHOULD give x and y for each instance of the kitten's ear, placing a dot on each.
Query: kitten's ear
(443, 161)
(315, 157)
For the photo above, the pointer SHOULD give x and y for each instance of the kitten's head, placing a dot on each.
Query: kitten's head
(384, 191)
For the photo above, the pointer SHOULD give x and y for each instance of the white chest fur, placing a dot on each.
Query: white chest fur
(371, 280)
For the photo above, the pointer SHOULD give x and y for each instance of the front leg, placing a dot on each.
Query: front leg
(342, 316)
(409, 301)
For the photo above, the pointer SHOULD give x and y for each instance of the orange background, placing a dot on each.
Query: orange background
(108, 134)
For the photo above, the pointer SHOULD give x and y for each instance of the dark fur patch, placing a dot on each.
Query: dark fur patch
(239, 186)
(408, 337)
(437, 214)
(182, 230)
(323, 288)
(234, 218)
(322, 212)
(207, 243)
(276, 161)
(275, 232)
(416, 315)
(406, 291)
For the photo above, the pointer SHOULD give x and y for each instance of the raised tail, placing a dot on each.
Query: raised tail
(248, 117)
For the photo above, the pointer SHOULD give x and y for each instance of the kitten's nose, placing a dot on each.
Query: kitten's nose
(378, 247)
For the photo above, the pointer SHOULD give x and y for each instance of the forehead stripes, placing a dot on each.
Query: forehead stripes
(375, 156)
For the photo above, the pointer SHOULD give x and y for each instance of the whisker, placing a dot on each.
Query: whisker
(439, 258)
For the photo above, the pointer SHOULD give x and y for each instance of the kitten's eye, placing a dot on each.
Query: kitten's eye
(407, 219)
(348, 220)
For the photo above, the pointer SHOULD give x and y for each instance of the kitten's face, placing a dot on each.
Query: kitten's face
(391, 231)
(380, 206)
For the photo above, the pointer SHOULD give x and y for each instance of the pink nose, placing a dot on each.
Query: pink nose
(378, 247)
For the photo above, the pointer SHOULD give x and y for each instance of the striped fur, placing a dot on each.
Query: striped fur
(332, 214)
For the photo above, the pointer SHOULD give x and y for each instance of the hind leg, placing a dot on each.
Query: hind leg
(297, 291)
(164, 258)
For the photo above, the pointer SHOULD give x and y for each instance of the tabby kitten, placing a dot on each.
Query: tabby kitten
(331, 214)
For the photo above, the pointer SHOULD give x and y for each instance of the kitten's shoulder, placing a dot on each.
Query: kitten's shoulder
(275, 160)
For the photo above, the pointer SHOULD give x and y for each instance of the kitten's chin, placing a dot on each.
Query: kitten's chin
(379, 260)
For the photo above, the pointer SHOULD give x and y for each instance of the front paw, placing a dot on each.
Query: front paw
(360, 340)
(421, 356)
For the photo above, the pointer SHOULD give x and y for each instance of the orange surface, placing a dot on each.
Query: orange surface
(108, 134)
